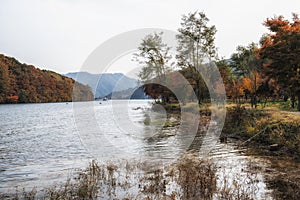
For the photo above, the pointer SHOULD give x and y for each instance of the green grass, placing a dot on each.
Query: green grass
(281, 105)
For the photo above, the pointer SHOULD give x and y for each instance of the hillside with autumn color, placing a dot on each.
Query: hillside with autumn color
(22, 83)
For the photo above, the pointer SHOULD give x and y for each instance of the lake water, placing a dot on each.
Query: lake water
(42, 144)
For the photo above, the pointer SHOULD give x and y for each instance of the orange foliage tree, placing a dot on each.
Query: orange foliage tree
(21, 83)
(252, 82)
(280, 51)
(247, 67)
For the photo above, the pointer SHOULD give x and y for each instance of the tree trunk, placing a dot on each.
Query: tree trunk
(198, 91)
(293, 100)
(255, 101)
(298, 108)
(252, 101)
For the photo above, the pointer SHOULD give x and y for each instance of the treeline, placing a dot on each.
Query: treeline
(21, 83)
(268, 70)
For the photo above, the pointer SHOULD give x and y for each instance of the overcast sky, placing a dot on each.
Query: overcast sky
(60, 34)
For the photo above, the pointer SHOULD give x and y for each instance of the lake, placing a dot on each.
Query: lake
(44, 144)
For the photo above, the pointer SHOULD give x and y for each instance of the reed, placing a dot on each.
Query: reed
(187, 178)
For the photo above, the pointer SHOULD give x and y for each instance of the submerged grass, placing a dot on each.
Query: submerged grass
(188, 178)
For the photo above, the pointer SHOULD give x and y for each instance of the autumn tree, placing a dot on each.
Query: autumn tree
(251, 84)
(280, 50)
(195, 42)
(247, 67)
(232, 82)
(153, 55)
(21, 83)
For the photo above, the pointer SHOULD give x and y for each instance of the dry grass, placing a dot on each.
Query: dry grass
(264, 128)
(284, 116)
(260, 128)
(188, 178)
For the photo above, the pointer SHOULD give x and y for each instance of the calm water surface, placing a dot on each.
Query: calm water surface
(42, 144)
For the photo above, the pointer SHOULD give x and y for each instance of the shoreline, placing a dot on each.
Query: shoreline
(255, 131)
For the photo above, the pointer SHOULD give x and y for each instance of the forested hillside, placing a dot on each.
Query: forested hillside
(21, 83)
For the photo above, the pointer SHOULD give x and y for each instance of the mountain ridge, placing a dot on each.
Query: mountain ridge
(104, 84)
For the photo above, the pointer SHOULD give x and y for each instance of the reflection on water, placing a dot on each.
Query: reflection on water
(242, 173)
(41, 144)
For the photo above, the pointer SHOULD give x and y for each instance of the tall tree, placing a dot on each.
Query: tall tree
(247, 66)
(195, 41)
(280, 50)
(153, 55)
(232, 82)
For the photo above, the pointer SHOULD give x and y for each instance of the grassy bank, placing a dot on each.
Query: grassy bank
(273, 134)
(271, 131)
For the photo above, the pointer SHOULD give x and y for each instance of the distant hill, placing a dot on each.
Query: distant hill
(21, 83)
(104, 84)
(131, 93)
